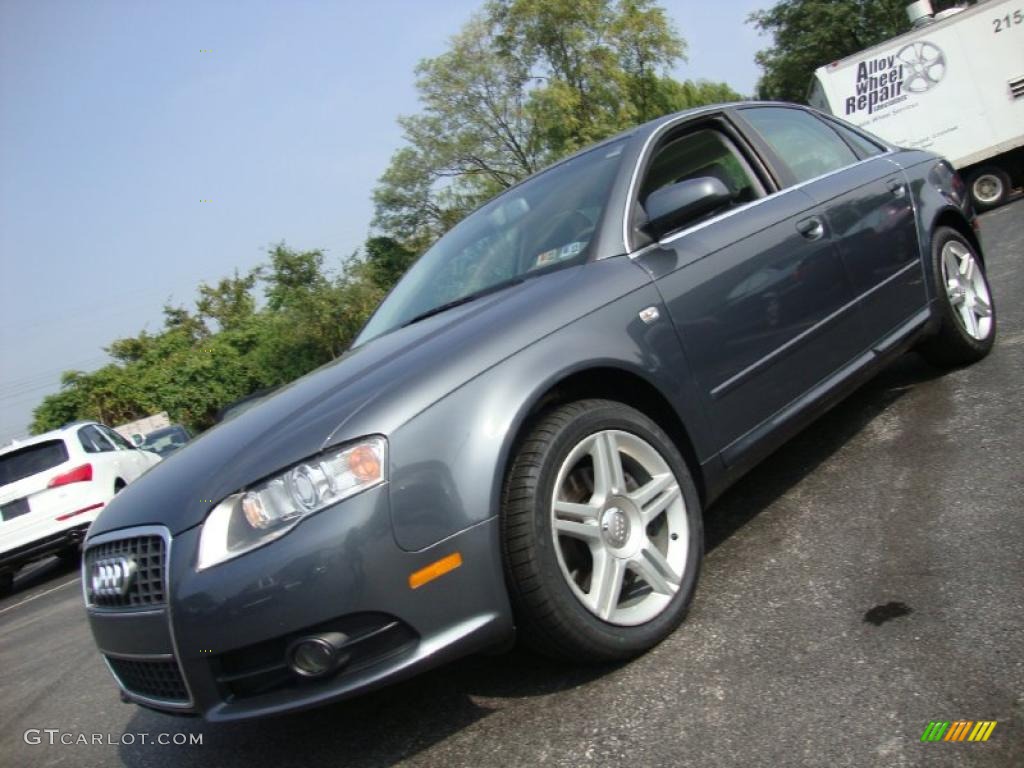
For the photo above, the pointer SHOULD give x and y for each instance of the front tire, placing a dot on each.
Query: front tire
(967, 314)
(601, 533)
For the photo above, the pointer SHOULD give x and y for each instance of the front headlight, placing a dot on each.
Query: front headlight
(260, 514)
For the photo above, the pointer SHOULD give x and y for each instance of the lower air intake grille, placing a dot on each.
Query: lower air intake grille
(153, 679)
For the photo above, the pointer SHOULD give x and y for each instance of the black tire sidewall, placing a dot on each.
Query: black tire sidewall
(1003, 177)
(613, 640)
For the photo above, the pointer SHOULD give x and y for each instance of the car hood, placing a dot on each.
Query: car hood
(372, 389)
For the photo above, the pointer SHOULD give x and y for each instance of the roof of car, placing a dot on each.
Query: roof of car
(652, 125)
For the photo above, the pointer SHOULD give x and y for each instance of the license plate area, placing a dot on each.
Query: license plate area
(14, 509)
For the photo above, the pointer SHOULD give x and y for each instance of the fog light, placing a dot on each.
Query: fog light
(318, 655)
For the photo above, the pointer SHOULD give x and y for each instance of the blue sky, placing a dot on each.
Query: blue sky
(114, 126)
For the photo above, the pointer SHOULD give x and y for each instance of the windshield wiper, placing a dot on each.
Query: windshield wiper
(462, 300)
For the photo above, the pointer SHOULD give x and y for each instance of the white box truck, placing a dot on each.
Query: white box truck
(953, 85)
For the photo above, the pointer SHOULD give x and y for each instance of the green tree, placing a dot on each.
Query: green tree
(228, 346)
(231, 302)
(386, 261)
(524, 83)
(807, 34)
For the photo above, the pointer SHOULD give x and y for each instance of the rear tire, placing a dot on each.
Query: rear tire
(6, 583)
(967, 314)
(619, 575)
(989, 187)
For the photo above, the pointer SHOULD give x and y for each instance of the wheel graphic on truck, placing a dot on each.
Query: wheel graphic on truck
(925, 66)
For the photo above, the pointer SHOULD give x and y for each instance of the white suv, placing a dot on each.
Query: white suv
(53, 485)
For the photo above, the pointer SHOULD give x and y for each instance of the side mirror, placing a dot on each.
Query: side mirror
(137, 440)
(672, 206)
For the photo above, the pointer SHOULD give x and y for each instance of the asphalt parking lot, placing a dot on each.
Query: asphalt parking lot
(865, 580)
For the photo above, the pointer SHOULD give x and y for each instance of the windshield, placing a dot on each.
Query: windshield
(545, 223)
(165, 440)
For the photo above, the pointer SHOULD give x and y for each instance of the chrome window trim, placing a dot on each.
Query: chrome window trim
(175, 656)
(656, 133)
(746, 206)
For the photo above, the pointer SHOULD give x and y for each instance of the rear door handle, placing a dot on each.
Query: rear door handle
(898, 188)
(811, 228)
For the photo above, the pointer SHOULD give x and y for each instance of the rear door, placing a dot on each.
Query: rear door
(867, 207)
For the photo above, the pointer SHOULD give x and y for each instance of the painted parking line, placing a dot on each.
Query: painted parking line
(41, 594)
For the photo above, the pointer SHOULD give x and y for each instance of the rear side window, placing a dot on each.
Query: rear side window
(862, 144)
(93, 441)
(31, 460)
(807, 146)
(117, 439)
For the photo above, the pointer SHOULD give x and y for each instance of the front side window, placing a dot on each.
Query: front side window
(806, 146)
(544, 223)
(702, 153)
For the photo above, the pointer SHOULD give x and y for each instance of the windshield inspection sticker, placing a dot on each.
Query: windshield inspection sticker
(559, 254)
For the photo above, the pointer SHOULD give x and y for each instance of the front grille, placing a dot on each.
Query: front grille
(147, 588)
(159, 680)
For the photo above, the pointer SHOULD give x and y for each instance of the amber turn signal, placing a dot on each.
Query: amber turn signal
(435, 570)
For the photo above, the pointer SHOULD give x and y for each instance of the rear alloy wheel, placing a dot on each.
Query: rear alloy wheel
(989, 188)
(602, 533)
(967, 314)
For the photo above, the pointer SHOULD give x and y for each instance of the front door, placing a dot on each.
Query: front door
(757, 292)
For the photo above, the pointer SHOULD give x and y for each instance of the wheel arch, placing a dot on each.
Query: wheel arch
(610, 382)
(954, 219)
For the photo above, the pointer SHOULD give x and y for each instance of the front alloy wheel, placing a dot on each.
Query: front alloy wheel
(602, 535)
(619, 527)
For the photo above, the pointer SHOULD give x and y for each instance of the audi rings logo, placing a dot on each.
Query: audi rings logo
(112, 576)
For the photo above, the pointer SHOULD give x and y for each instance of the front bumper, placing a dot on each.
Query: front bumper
(215, 645)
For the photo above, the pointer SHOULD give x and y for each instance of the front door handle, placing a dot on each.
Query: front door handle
(811, 228)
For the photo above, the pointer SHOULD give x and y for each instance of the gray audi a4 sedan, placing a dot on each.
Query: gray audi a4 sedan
(524, 437)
